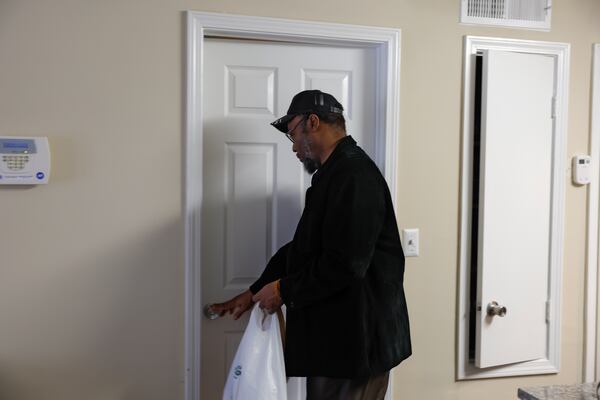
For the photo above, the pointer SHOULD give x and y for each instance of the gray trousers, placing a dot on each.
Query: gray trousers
(322, 388)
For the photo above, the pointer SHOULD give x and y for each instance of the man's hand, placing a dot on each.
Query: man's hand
(268, 298)
(236, 306)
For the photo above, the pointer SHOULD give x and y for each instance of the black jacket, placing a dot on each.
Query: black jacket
(342, 274)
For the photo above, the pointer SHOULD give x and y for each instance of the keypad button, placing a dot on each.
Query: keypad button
(15, 162)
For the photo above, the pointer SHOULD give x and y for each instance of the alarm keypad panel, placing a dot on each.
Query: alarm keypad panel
(24, 160)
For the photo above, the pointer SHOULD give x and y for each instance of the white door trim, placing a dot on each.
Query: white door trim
(591, 359)
(201, 25)
(561, 51)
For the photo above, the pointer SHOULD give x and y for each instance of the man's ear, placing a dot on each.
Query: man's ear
(313, 122)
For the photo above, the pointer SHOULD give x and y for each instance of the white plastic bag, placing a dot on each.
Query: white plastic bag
(258, 368)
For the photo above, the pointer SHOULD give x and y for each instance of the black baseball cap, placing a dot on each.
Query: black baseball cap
(306, 102)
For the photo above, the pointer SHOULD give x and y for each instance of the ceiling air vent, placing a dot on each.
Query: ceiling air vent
(526, 14)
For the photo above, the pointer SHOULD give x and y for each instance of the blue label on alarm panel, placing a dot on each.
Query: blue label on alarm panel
(40, 175)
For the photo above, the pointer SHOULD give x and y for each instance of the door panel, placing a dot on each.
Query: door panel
(515, 206)
(253, 185)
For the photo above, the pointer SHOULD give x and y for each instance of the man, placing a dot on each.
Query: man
(341, 277)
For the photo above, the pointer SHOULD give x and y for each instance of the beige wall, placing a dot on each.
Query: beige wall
(91, 274)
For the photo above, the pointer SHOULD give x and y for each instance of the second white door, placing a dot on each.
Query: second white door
(517, 136)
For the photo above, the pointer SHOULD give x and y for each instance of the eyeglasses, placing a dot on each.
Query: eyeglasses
(288, 134)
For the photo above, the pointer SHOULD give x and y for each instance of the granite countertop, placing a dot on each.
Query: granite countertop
(581, 391)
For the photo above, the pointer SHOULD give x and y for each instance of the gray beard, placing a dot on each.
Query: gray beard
(311, 165)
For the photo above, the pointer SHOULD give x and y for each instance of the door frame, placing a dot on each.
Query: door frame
(561, 52)
(201, 25)
(592, 301)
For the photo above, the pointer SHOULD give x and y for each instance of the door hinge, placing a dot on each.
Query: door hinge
(548, 311)
(553, 108)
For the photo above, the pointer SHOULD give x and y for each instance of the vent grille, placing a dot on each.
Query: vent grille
(533, 14)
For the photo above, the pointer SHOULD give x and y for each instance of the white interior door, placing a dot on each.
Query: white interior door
(592, 331)
(253, 186)
(515, 202)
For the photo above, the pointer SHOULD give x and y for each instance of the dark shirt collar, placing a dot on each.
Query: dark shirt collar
(343, 143)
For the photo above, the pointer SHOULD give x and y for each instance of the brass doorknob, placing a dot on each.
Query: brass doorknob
(494, 309)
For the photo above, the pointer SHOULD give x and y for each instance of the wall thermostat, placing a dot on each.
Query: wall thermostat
(582, 166)
(24, 160)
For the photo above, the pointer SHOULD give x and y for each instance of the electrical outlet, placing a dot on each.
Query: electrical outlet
(410, 242)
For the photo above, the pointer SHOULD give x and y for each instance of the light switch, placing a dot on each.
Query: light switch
(410, 242)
